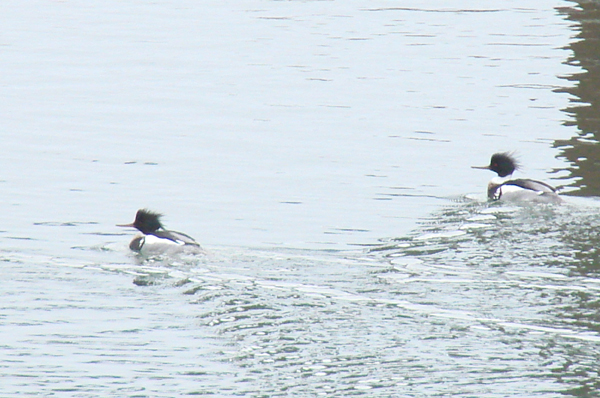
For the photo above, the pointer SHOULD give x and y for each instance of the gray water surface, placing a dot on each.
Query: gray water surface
(320, 152)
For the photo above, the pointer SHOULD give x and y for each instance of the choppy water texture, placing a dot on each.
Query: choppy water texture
(481, 300)
(320, 152)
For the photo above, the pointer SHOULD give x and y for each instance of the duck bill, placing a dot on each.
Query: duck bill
(481, 167)
(126, 225)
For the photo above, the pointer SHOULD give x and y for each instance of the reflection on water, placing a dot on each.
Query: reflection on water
(583, 150)
(528, 271)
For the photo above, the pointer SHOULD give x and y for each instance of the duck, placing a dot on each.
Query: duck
(154, 237)
(504, 187)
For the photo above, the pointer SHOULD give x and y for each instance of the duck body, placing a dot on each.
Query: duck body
(161, 241)
(154, 237)
(504, 187)
(520, 189)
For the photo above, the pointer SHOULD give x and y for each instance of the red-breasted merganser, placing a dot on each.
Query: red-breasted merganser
(522, 189)
(154, 234)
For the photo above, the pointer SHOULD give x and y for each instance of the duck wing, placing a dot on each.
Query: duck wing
(532, 185)
(177, 237)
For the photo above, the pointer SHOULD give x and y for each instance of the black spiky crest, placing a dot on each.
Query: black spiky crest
(504, 164)
(147, 221)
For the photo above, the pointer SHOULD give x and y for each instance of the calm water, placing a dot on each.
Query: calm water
(321, 153)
